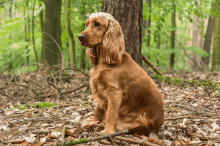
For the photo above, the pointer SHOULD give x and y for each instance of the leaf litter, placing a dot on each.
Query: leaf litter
(34, 112)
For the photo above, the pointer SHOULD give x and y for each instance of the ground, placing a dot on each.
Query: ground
(49, 108)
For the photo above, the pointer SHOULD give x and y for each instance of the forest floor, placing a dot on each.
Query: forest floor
(46, 109)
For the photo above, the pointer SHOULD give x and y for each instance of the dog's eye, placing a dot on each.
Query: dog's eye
(96, 24)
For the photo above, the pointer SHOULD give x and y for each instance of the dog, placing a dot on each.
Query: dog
(126, 97)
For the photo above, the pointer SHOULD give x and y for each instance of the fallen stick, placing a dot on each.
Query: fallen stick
(56, 88)
(175, 118)
(151, 65)
(86, 140)
(135, 141)
(193, 117)
(8, 97)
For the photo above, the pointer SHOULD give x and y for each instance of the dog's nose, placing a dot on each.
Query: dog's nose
(82, 37)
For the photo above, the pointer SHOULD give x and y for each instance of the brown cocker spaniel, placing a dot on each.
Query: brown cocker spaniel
(126, 97)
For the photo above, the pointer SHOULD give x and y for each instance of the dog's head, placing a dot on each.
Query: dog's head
(104, 31)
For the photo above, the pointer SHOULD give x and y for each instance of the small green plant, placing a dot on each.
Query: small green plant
(44, 104)
(21, 107)
(158, 77)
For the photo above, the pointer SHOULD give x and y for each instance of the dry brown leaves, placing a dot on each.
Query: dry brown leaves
(191, 112)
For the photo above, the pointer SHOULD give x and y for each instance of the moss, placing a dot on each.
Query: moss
(158, 77)
(82, 140)
(206, 82)
(21, 107)
(168, 80)
(178, 81)
(45, 104)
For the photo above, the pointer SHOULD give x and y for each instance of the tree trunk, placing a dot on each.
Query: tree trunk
(26, 27)
(208, 40)
(70, 33)
(41, 19)
(149, 23)
(193, 64)
(129, 14)
(158, 47)
(33, 39)
(172, 38)
(83, 48)
(51, 53)
(216, 40)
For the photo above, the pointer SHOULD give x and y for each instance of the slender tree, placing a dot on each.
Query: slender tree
(149, 23)
(50, 52)
(129, 14)
(172, 38)
(69, 32)
(26, 17)
(216, 38)
(41, 19)
(33, 39)
(208, 40)
(83, 48)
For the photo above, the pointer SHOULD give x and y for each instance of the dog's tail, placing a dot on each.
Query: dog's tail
(146, 126)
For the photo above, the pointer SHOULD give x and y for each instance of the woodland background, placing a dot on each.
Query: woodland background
(182, 35)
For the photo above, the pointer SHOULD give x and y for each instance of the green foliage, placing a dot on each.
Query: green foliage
(37, 105)
(21, 107)
(44, 104)
(177, 81)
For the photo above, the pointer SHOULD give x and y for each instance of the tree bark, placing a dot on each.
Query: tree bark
(83, 48)
(158, 47)
(41, 19)
(26, 27)
(216, 39)
(51, 54)
(70, 33)
(129, 14)
(172, 38)
(35, 51)
(149, 23)
(208, 40)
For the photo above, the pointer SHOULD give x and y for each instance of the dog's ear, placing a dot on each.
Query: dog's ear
(113, 44)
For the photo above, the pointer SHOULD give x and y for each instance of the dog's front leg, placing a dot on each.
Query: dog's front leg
(114, 102)
(99, 114)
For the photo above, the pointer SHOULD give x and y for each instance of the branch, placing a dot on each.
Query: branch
(26, 87)
(141, 142)
(56, 88)
(8, 96)
(86, 140)
(151, 65)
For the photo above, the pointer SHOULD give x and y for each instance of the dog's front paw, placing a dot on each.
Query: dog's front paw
(108, 131)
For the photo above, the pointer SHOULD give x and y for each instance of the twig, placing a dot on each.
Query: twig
(193, 117)
(26, 87)
(175, 118)
(201, 105)
(80, 70)
(189, 56)
(8, 96)
(151, 65)
(63, 133)
(86, 140)
(80, 87)
(135, 141)
(56, 88)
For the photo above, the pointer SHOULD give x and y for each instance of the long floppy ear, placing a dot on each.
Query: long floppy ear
(113, 44)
